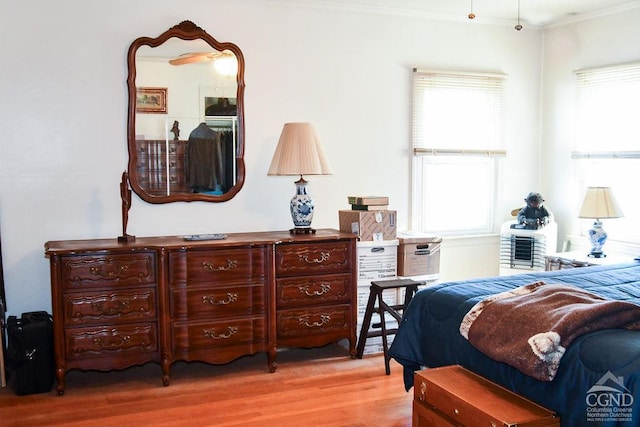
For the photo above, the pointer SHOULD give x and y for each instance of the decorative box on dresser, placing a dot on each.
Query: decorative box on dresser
(165, 299)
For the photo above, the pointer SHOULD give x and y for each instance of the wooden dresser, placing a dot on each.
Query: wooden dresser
(154, 163)
(165, 299)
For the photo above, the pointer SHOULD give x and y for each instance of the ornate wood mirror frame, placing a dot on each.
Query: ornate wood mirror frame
(165, 99)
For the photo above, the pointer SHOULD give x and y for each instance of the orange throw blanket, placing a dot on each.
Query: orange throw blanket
(530, 327)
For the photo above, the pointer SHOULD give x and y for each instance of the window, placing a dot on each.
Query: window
(457, 140)
(606, 150)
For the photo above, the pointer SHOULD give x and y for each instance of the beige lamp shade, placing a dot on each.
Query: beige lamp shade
(299, 152)
(600, 203)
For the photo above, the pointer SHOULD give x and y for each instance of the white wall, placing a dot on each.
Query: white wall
(466, 257)
(63, 104)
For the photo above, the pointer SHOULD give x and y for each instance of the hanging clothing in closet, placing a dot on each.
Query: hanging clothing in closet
(227, 143)
(204, 160)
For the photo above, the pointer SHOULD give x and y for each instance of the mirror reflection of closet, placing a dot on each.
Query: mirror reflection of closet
(3, 308)
(3, 298)
(186, 121)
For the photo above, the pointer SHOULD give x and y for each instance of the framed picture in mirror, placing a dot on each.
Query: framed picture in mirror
(151, 100)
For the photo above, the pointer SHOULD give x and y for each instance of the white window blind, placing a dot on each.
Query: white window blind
(456, 139)
(457, 113)
(607, 141)
(607, 106)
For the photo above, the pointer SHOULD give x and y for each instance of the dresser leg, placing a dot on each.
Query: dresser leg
(273, 364)
(166, 371)
(60, 380)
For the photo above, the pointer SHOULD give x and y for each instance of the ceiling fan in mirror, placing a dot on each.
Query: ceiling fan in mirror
(194, 57)
(224, 62)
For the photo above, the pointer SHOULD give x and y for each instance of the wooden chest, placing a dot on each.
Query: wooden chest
(454, 396)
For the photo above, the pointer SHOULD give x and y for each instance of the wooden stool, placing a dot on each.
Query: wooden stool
(376, 290)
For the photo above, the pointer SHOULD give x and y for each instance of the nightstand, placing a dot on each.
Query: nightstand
(575, 259)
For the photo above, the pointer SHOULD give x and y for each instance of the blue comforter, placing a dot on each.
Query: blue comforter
(429, 336)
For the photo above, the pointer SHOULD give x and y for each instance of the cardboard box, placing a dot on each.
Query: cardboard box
(377, 260)
(418, 255)
(369, 225)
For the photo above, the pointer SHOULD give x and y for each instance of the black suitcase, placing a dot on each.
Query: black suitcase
(30, 363)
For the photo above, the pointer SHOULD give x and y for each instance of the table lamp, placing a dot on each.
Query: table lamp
(300, 152)
(599, 203)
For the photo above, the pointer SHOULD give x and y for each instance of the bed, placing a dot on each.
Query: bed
(429, 336)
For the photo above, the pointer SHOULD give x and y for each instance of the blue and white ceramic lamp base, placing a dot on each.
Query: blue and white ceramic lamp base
(597, 237)
(302, 208)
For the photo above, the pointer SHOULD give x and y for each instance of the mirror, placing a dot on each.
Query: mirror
(186, 117)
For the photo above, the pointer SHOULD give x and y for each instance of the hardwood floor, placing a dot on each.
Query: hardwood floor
(312, 387)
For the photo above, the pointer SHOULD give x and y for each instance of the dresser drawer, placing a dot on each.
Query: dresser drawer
(111, 340)
(316, 320)
(313, 290)
(463, 398)
(194, 336)
(218, 266)
(177, 147)
(83, 271)
(218, 301)
(317, 258)
(177, 179)
(119, 305)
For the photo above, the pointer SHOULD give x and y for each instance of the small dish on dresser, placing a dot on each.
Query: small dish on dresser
(215, 236)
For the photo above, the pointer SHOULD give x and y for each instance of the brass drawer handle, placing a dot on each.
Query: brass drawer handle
(324, 319)
(106, 309)
(324, 288)
(211, 299)
(211, 333)
(231, 264)
(116, 341)
(98, 271)
(323, 257)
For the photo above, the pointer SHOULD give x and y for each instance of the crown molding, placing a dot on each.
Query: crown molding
(592, 15)
(357, 7)
(398, 10)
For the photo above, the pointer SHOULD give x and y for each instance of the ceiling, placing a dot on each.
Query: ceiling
(532, 12)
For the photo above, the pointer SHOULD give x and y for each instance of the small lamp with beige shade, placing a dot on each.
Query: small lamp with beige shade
(300, 152)
(599, 203)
